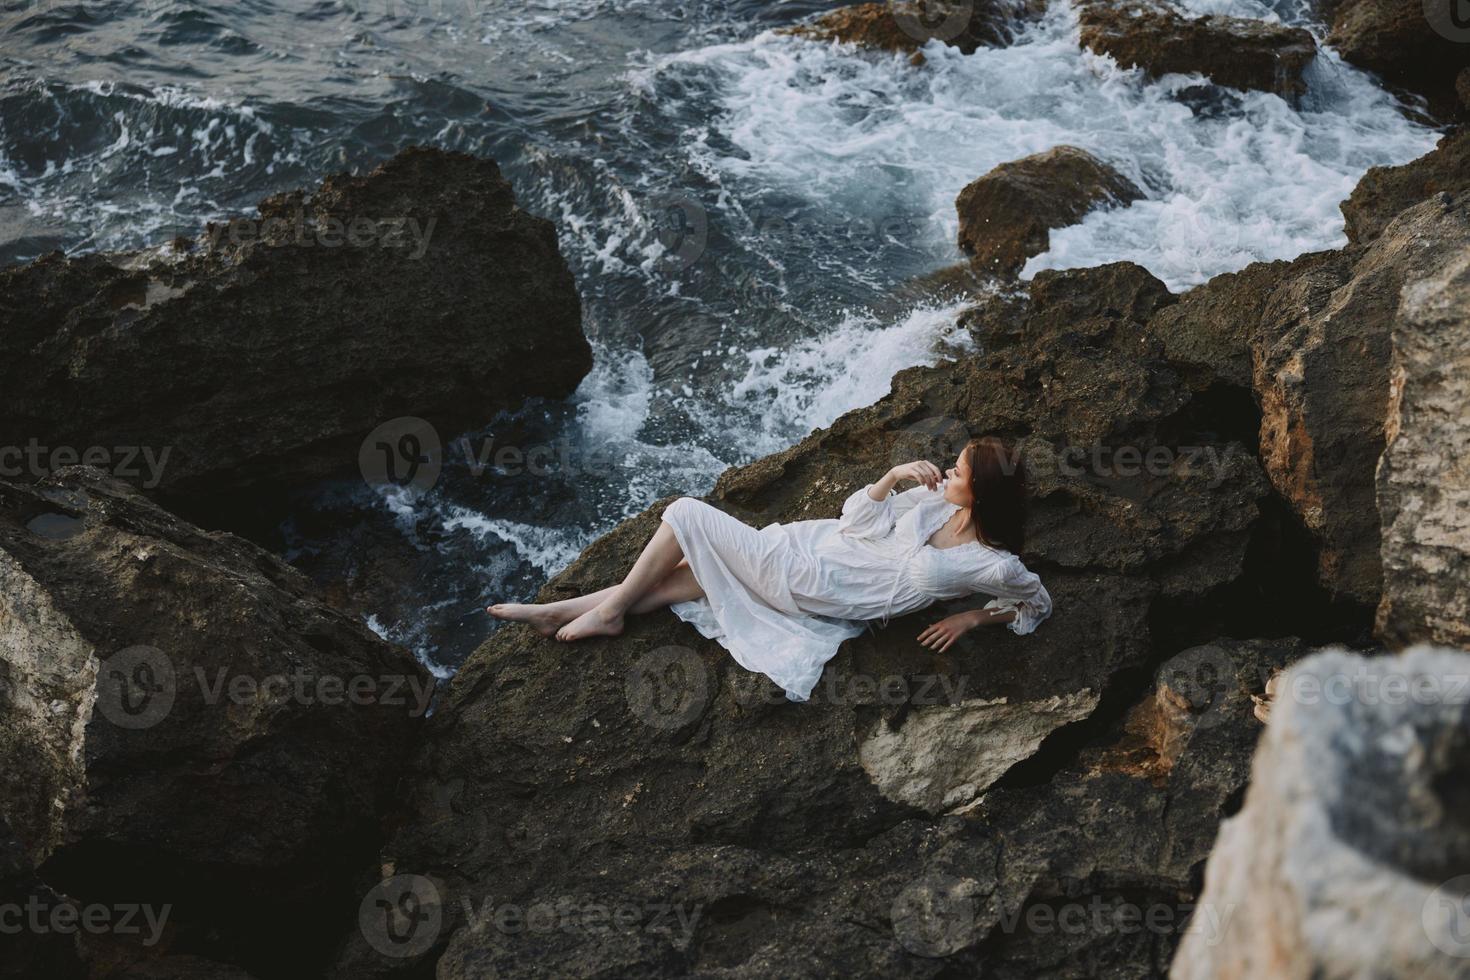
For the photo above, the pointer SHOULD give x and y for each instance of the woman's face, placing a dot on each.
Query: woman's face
(957, 482)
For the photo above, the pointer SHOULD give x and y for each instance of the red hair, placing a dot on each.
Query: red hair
(998, 483)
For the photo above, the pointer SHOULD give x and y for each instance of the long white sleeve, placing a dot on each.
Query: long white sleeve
(864, 517)
(1018, 589)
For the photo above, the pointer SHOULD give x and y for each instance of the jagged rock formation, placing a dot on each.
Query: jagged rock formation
(1006, 215)
(186, 723)
(261, 355)
(1424, 476)
(1234, 51)
(1321, 362)
(1350, 857)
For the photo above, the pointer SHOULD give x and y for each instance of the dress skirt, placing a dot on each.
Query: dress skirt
(748, 606)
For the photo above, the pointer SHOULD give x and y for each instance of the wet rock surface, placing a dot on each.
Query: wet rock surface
(262, 354)
(187, 725)
(1415, 46)
(1350, 855)
(1006, 215)
(906, 26)
(1236, 52)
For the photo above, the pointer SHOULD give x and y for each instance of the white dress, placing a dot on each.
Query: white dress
(782, 599)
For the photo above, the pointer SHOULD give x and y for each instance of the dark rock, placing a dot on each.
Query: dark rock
(1233, 51)
(1385, 192)
(1005, 216)
(146, 750)
(663, 774)
(1412, 44)
(1423, 487)
(262, 355)
(907, 25)
(1215, 324)
(1350, 854)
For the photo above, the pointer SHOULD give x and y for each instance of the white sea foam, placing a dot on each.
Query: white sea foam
(807, 385)
(548, 549)
(1252, 178)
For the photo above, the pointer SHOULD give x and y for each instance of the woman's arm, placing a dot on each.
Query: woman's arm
(870, 512)
(1017, 590)
(943, 634)
(920, 471)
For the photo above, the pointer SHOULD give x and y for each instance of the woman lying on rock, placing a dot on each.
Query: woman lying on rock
(782, 599)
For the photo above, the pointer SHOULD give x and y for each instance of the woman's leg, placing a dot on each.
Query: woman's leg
(548, 617)
(659, 559)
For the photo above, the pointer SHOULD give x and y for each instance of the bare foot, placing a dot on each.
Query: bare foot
(545, 619)
(600, 621)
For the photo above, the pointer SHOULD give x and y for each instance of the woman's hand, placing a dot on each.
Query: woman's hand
(943, 634)
(920, 471)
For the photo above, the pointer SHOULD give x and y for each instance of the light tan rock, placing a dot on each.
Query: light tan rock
(1424, 475)
(945, 756)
